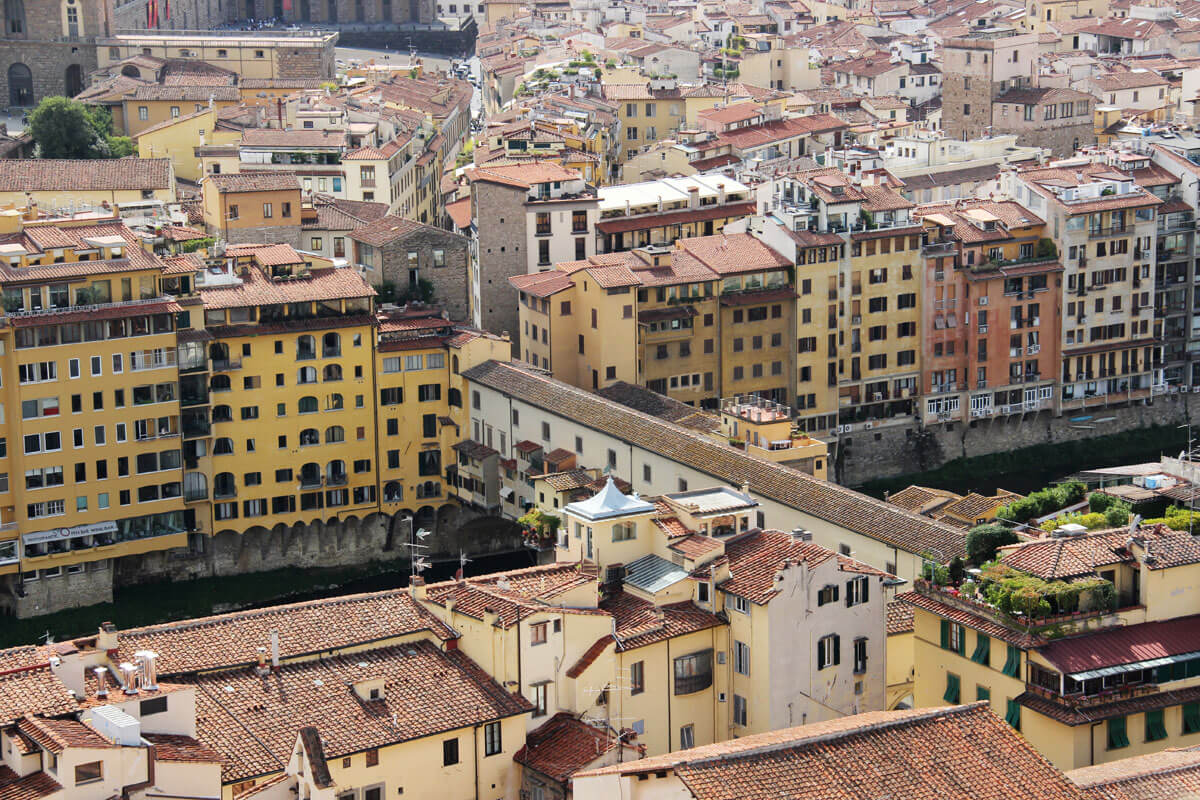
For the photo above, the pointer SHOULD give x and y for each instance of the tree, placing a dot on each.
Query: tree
(982, 541)
(65, 128)
(62, 128)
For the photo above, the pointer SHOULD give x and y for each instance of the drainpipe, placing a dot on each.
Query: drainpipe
(475, 758)
(126, 791)
(1092, 743)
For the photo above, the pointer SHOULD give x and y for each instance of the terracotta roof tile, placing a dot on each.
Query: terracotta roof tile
(56, 735)
(427, 690)
(1075, 556)
(693, 546)
(1126, 644)
(34, 786)
(564, 745)
(34, 690)
(827, 501)
(512, 594)
(589, 656)
(1166, 775)
(973, 621)
(927, 754)
(899, 617)
(258, 290)
(314, 626)
(647, 221)
(168, 747)
(296, 137)
(88, 175)
(254, 181)
(638, 622)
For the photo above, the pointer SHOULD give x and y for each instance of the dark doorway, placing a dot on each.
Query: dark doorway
(332, 16)
(74, 80)
(20, 85)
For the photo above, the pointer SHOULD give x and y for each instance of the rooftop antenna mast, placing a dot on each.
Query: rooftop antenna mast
(605, 693)
(417, 559)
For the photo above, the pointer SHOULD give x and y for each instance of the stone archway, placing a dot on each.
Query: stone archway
(20, 85)
(73, 80)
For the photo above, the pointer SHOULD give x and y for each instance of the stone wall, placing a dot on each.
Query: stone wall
(305, 62)
(185, 15)
(431, 40)
(275, 234)
(1061, 136)
(48, 62)
(449, 281)
(47, 595)
(884, 452)
(501, 237)
(333, 543)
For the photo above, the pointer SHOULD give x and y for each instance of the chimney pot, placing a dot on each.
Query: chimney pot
(129, 675)
(101, 681)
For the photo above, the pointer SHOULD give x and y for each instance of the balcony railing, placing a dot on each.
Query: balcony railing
(1107, 230)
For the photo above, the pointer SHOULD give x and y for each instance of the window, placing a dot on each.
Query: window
(954, 637)
(449, 752)
(857, 591)
(741, 658)
(537, 633)
(737, 603)
(860, 655)
(1012, 664)
(637, 677)
(1155, 729)
(89, 772)
(953, 689)
(268, 211)
(1117, 737)
(1191, 717)
(372, 758)
(687, 737)
(983, 644)
(491, 739)
(739, 711)
(693, 672)
(827, 594)
(539, 700)
(829, 651)
(155, 705)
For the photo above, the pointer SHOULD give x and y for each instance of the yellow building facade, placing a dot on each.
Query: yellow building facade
(1103, 672)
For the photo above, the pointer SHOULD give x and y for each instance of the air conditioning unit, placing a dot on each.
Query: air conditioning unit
(983, 301)
(983, 328)
(868, 425)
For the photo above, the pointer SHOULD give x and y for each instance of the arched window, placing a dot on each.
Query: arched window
(335, 473)
(224, 485)
(454, 364)
(223, 446)
(306, 347)
(306, 375)
(334, 434)
(308, 405)
(335, 402)
(331, 345)
(130, 71)
(222, 414)
(309, 436)
(332, 372)
(310, 475)
(220, 383)
(393, 492)
(454, 397)
(20, 86)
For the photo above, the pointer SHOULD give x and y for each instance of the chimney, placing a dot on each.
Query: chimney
(261, 668)
(693, 197)
(101, 674)
(721, 193)
(148, 677)
(417, 588)
(129, 675)
(491, 618)
(275, 650)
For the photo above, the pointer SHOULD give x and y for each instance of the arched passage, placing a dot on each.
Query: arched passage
(20, 85)
(73, 80)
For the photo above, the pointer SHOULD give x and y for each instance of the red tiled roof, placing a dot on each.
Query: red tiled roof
(254, 181)
(638, 623)
(87, 175)
(694, 546)
(755, 558)
(927, 754)
(512, 595)
(169, 747)
(34, 786)
(56, 735)
(1167, 775)
(1074, 556)
(899, 617)
(589, 656)
(1124, 645)
(314, 626)
(647, 221)
(731, 254)
(460, 212)
(426, 692)
(973, 621)
(258, 290)
(563, 745)
(542, 284)
(32, 690)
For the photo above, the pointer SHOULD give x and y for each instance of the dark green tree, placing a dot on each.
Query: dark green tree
(62, 128)
(982, 541)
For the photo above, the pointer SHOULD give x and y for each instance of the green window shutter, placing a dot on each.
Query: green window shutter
(962, 641)
(1191, 717)
(983, 648)
(945, 634)
(952, 689)
(1116, 734)
(1155, 729)
(1012, 714)
(1012, 665)
(983, 693)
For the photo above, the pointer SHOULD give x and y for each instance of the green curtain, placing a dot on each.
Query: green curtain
(1012, 714)
(983, 649)
(1191, 717)
(1155, 729)
(952, 689)
(1117, 737)
(1013, 664)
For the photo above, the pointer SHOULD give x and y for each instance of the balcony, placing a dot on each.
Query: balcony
(934, 249)
(1107, 230)
(226, 365)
